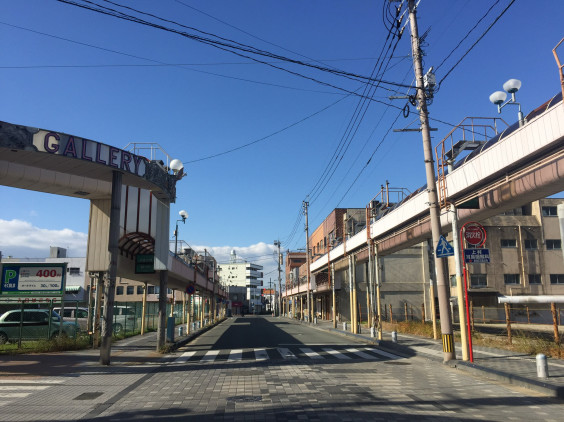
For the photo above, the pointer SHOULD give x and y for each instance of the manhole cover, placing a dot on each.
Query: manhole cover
(88, 396)
(244, 399)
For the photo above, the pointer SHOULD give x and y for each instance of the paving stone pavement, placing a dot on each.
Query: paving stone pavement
(503, 365)
(140, 385)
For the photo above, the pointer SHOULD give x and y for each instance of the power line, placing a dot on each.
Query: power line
(477, 41)
(228, 46)
(267, 136)
(466, 36)
(362, 107)
(334, 162)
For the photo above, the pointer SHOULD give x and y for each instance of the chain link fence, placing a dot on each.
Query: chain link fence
(26, 323)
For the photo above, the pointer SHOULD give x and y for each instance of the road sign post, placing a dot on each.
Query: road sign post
(475, 234)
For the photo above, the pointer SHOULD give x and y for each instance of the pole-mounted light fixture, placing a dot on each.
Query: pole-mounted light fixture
(177, 169)
(498, 97)
(183, 215)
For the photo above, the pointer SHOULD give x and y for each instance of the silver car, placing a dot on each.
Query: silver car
(36, 325)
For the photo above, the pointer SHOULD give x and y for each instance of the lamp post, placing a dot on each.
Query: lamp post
(498, 97)
(184, 215)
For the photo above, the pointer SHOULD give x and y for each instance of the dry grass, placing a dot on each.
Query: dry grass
(522, 341)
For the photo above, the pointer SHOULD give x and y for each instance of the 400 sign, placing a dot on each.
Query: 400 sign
(33, 279)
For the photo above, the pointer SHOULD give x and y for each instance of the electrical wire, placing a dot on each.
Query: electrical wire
(230, 46)
(466, 36)
(267, 136)
(476, 42)
(356, 119)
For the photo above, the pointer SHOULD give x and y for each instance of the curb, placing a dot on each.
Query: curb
(471, 368)
(172, 346)
(493, 374)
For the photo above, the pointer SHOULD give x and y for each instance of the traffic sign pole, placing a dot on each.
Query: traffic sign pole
(475, 234)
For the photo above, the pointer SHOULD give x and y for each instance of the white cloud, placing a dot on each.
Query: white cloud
(21, 239)
(261, 253)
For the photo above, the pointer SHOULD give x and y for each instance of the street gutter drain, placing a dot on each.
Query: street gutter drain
(395, 362)
(244, 399)
(88, 396)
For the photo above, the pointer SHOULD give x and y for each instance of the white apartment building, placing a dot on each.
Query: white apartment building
(244, 274)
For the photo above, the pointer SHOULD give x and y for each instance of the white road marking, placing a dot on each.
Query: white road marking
(185, 356)
(382, 353)
(22, 387)
(235, 355)
(34, 381)
(210, 356)
(261, 354)
(310, 353)
(337, 354)
(285, 353)
(361, 354)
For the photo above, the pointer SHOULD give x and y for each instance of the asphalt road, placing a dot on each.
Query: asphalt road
(269, 369)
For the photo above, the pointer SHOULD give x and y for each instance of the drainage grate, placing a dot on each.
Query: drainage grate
(88, 396)
(244, 399)
(395, 362)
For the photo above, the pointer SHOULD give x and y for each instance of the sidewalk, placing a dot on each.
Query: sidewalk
(131, 351)
(497, 364)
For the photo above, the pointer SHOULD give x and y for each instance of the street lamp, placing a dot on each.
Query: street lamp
(184, 215)
(498, 97)
(177, 168)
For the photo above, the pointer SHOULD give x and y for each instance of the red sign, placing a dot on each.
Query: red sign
(475, 235)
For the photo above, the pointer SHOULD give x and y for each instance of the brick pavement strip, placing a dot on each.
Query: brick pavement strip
(415, 387)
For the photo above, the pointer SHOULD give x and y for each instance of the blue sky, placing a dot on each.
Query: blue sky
(72, 70)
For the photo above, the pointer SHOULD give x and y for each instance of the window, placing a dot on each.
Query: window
(81, 313)
(508, 243)
(552, 244)
(168, 291)
(534, 279)
(556, 278)
(549, 212)
(139, 290)
(119, 290)
(74, 271)
(478, 280)
(453, 280)
(511, 278)
(531, 244)
(130, 290)
(151, 290)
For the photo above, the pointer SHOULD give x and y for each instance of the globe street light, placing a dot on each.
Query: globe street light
(184, 215)
(177, 169)
(498, 97)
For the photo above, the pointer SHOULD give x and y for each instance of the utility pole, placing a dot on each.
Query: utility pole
(305, 206)
(277, 243)
(442, 286)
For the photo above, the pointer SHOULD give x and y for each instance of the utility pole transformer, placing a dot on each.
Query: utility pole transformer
(442, 286)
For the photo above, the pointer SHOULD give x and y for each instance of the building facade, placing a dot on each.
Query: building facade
(239, 273)
(525, 247)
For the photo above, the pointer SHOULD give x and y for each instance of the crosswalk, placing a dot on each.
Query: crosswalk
(15, 389)
(285, 353)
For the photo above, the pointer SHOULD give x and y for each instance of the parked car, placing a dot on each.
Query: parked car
(124, 317)
(36, 325)
(74, 314)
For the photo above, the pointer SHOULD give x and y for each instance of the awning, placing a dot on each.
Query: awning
(72, 289)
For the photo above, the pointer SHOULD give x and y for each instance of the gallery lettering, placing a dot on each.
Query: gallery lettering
(87, 150)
